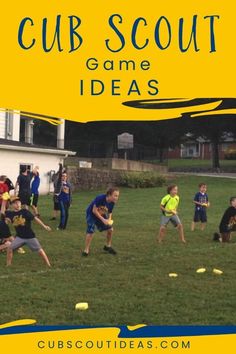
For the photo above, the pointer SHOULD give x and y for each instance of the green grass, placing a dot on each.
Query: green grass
(132, 287)
(197, 163)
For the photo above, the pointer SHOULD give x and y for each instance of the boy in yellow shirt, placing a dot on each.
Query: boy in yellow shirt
(169, 205)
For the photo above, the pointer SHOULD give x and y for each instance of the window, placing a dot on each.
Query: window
(225, 146)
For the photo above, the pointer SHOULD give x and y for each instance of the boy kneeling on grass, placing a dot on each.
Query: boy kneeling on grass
(169, 205)
(228, 223)
(21, 219)
(99, 215)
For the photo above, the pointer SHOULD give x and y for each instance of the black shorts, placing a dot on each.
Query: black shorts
(4, 231)
(34, 199)
(56, 203)
(200, 215)
(24, 198)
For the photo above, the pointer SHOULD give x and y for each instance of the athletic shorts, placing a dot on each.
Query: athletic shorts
(200, 215)
(93, 223)
(4, 230)
(34, 199)
(24, 198)
(174, 219)
(32, 243)
(56, 203)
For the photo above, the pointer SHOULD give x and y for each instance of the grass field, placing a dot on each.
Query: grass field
(132, 287)
(197, 163)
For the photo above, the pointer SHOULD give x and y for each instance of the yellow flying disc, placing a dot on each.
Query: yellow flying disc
(201, 270)
(173, 275)
(110, 222)
(82, 306)
(217, 271)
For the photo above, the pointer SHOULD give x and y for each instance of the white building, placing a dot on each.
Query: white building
(15, 154)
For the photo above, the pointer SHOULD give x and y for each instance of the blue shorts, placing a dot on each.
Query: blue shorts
(93, 223)
(200, 215)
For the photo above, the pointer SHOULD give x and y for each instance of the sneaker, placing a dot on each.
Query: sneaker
(109, 250)
(84, 254)
(21, 250)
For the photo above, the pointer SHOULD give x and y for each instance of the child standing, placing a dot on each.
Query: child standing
(201, 204)
(99, 215)
(228, 223)
(21, 220)
(64, 199)
(169, 205)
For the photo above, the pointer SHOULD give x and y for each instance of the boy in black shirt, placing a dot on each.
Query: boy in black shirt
(21, 220)
(228, 222)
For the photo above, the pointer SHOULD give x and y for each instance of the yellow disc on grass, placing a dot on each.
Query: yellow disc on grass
(173, 275)
(201, 270)
(217, 271)
(82, 306)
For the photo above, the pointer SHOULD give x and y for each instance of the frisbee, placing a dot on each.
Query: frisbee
(217, 271)
(82, 306)
(110, 222)
(201, 270)
(173, 275)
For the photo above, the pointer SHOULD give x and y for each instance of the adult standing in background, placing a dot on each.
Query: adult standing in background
(35, 191)
(24, 184)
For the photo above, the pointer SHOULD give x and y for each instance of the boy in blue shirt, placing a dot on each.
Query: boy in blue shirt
(201, 204)
(99, 215)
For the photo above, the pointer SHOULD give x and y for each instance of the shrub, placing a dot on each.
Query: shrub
(142, 180)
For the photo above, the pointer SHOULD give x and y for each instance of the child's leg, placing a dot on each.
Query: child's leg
(193, 226)
(109, 237)
(44, 257)
(15, 244)
(162, 233)
(62, 215)
(203, 219)
(9, 256)
(181, 232)
(66, 214)
(88, 240)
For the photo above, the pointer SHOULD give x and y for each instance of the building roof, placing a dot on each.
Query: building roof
(20, 146)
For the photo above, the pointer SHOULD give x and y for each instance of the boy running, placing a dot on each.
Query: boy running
(99, 215)
(228, 223)
(169, 205)
(21, 220)
(201, 204)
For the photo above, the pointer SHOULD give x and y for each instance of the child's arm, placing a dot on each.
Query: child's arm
(38, 221)
(99, 216)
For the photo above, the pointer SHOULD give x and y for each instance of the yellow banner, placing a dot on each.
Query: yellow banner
(87, 61)
(116, 340)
